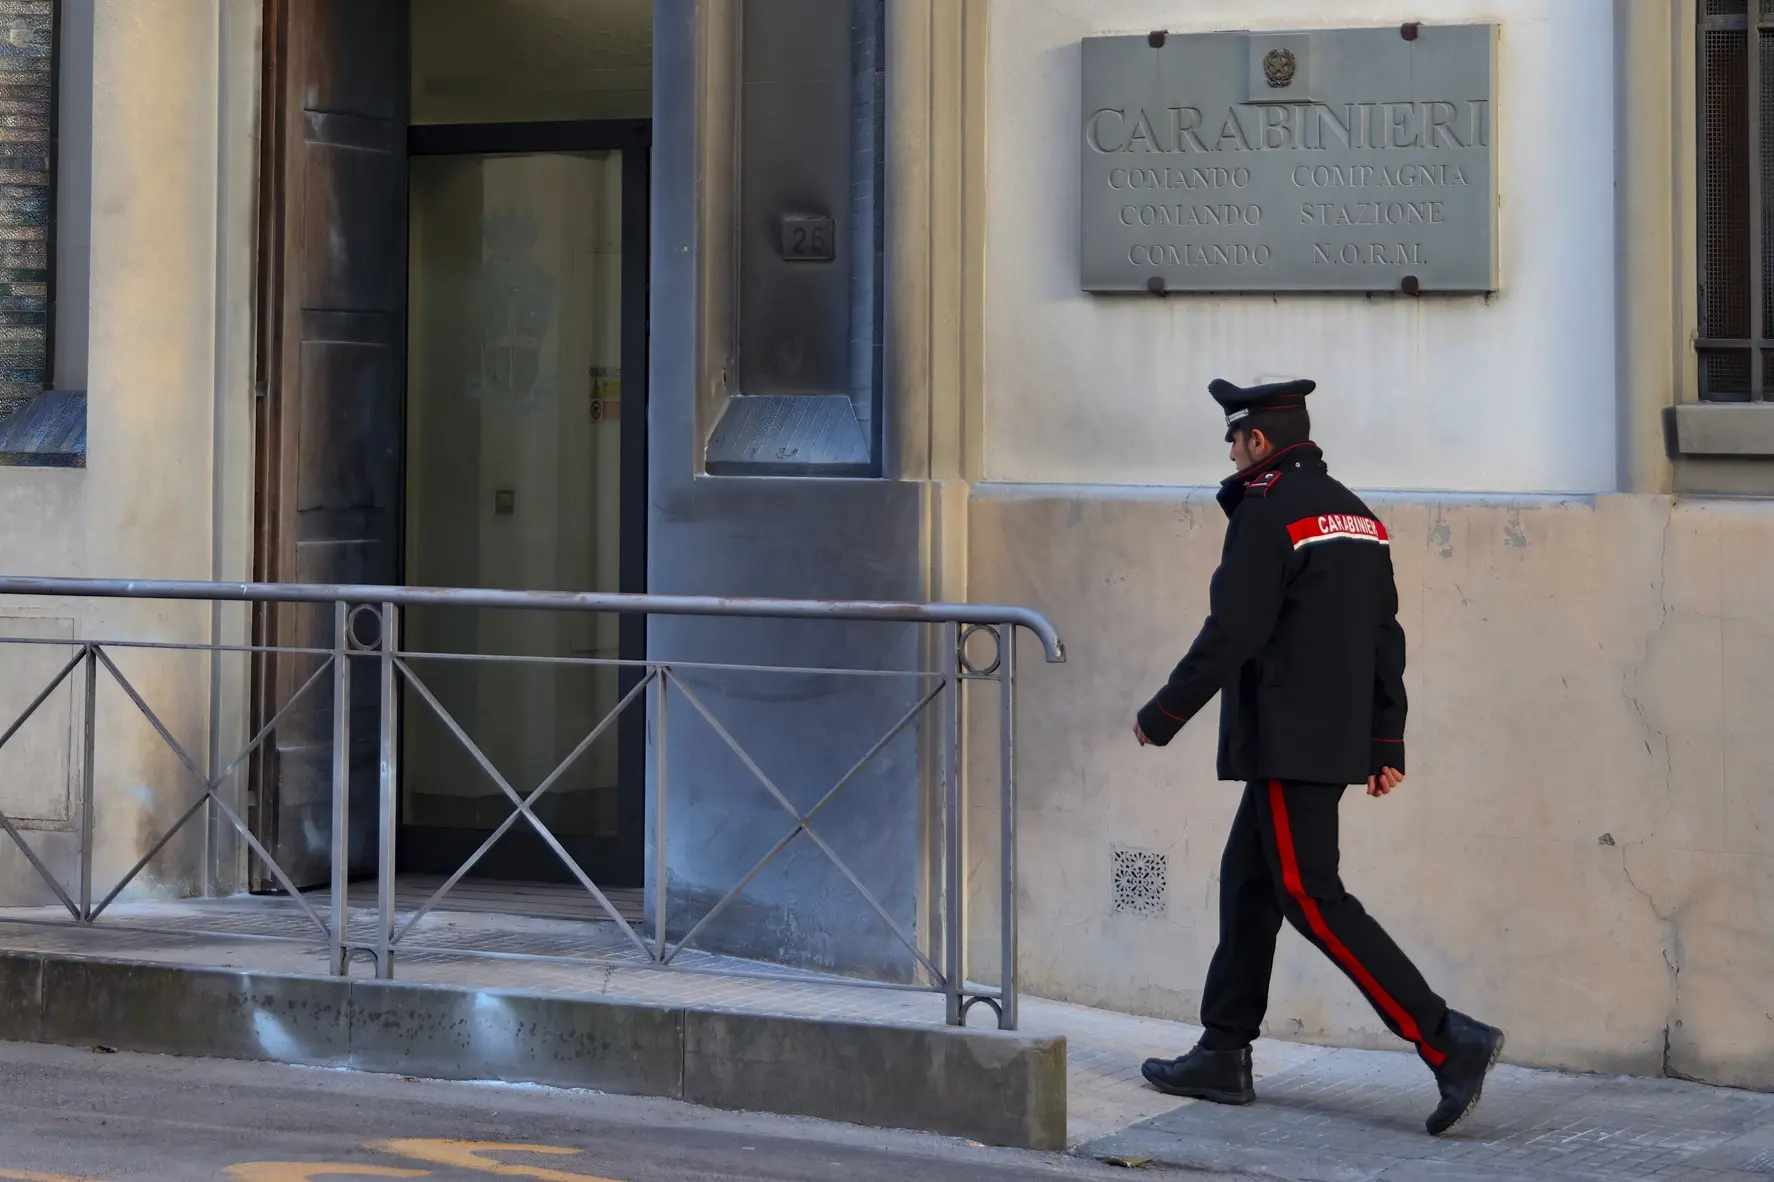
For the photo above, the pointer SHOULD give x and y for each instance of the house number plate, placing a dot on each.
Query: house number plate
(808, 239)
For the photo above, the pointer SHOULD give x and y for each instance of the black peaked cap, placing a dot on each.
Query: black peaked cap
(1241, 401)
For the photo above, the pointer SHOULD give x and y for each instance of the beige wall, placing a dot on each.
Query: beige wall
(1504, 391)
(1584, 851)
(166, 490)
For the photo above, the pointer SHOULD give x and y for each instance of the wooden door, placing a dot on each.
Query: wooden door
(331, 371)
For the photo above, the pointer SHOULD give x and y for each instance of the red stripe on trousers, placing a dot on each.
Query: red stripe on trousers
(1290, 874)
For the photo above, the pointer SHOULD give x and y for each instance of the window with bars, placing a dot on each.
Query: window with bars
(27, 100)
(1736, 137)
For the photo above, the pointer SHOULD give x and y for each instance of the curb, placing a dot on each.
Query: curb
(998, 1088)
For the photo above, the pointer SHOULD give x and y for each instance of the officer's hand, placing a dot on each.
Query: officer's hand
(1141, 736)
(1385, 782)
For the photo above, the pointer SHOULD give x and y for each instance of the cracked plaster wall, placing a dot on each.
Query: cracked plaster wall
(1584, 850)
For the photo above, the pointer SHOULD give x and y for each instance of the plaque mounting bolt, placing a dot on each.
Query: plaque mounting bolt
(1156, 38)
(1410, 29)
(1410, 286)
(1155, 285)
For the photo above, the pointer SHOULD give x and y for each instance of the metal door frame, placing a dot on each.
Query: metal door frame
(620, 860)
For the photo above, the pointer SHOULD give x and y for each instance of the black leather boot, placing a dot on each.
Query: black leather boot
(1472, 1050)
(1222, 1077)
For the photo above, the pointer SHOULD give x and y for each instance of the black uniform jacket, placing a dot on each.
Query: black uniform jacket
(1302, 639)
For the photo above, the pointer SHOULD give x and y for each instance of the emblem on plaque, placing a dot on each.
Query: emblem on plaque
(1279, 66)
(513, 300)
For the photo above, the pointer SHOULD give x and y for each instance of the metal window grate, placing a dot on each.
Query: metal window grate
(1725, 186)
(1765, 181)
(1141, 882)
(1736, 166)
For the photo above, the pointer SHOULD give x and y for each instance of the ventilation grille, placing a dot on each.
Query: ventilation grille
(1141, 882)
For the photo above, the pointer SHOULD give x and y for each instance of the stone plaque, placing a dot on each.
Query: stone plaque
(1328, 160)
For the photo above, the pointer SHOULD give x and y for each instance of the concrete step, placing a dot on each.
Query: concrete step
(997, 1088)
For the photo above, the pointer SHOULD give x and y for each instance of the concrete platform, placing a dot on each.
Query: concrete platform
(1103, 1090)
(998, 1088)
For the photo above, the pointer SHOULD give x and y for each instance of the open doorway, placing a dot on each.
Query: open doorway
(452, 364)
(528, 284)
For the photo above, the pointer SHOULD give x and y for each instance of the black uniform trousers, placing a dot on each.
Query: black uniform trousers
(1281, 860)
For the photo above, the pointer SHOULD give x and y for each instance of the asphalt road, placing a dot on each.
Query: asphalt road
(77, 1114)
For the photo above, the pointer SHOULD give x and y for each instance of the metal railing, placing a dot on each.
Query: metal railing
(942, 959)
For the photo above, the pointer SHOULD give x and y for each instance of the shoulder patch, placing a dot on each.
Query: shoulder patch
(1262, 484)
(1337, 527)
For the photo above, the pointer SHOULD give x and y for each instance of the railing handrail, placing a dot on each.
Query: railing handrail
(944, 957)
(590, 601)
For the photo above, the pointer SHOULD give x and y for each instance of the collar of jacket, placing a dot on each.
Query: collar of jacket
(1233, 488)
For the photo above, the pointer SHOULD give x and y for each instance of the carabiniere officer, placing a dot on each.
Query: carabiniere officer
(1302, 644)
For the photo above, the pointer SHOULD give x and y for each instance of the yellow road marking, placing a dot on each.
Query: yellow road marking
(305, 1171)
(466, 1155)
(32, 1176)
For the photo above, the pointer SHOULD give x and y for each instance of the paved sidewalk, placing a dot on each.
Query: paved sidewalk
(1324, 1115)
(1357, 1116)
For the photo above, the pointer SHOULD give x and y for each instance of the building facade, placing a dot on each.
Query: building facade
(507, 292)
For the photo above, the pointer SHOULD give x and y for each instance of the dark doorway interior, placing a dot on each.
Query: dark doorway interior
(376, 237)
(526, 467)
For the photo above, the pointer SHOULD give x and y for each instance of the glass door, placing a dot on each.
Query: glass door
(524, 470)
